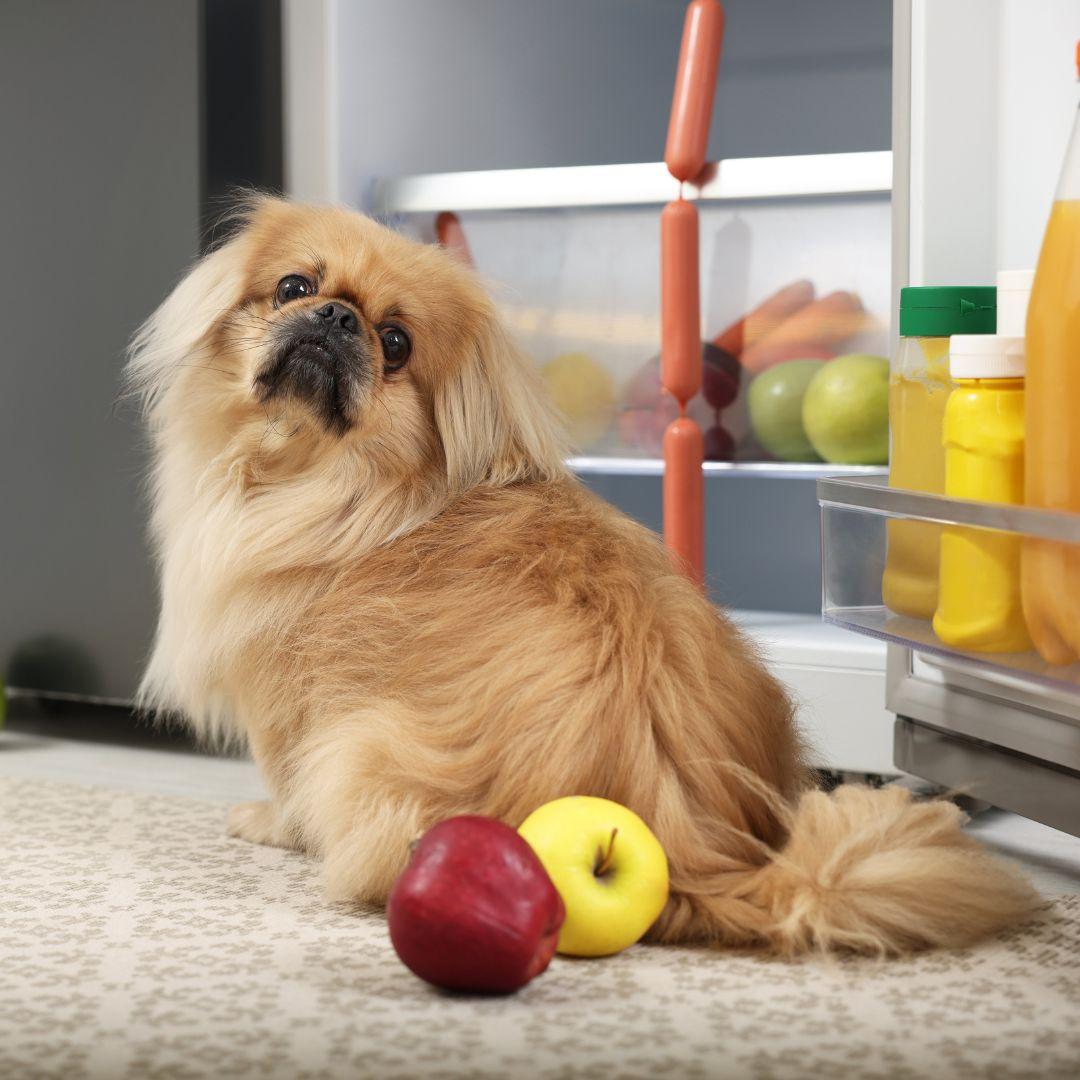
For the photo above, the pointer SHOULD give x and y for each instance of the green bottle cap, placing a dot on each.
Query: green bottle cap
(944, 310)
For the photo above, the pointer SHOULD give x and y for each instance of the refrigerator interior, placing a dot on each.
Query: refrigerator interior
(565, 226)
(574, 262)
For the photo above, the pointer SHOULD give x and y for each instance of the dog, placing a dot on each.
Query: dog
(378, 574)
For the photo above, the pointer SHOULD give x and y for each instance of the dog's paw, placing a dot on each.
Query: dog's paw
(257, 822)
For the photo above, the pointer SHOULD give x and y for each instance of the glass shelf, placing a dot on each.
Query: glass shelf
(855, 517)
(783, 470)
(647, 183)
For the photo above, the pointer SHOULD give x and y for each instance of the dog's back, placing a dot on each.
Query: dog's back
(530, 643)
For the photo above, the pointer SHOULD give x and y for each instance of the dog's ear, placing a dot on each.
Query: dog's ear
(175, 332)
(494, 417)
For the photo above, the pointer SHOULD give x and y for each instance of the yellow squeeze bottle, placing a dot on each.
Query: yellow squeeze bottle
(979, 606)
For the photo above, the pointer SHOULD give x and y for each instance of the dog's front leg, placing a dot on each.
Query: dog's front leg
(260, 823)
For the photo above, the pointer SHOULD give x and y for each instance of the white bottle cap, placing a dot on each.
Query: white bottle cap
(1013, 293)
(986, 356)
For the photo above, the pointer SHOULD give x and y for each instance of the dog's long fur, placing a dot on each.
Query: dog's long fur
(425, 615)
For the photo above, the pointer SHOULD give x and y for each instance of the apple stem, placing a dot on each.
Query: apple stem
(604, 861)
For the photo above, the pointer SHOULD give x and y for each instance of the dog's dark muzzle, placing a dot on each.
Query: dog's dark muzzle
(320, 358)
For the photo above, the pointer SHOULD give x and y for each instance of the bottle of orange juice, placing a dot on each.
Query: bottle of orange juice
(919, 386)
(1050, 578)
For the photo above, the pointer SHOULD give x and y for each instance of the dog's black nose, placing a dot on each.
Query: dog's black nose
(337, 315)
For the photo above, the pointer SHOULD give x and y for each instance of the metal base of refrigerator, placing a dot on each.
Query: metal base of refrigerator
(1010, 742)
(1029, 786)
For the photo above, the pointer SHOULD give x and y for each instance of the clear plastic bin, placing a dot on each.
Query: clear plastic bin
(854, 516)
(580, 288)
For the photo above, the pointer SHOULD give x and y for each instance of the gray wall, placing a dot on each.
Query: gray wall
(99, 204)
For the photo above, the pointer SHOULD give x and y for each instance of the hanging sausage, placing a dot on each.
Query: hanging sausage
(680, 303)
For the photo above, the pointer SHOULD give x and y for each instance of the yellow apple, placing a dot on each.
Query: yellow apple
(584, 392)
(609, 869)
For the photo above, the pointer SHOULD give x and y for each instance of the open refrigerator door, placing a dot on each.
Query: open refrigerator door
(995, 715)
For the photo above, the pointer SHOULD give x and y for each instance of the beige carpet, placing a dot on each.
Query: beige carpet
(136, 940)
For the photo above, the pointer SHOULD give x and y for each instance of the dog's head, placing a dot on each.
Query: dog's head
(317, 339)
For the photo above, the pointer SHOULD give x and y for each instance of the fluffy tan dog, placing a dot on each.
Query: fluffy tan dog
(376, 570)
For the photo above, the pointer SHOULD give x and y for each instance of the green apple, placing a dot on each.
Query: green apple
(775, 402)
(846, 410)
(610, 870)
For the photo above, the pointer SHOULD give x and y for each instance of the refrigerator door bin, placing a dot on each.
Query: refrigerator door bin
(854, 553)
(1004, 727)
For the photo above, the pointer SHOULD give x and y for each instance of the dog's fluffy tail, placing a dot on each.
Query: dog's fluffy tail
(863, 870)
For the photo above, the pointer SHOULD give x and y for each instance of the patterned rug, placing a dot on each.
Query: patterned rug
(137, 940)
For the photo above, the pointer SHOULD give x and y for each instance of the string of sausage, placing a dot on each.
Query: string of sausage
(680, 303)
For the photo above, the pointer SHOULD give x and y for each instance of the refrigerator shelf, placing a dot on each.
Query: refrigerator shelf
(1010, 670)
(854, 516)
(754, 470)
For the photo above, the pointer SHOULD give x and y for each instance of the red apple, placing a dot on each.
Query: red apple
(647, 410)
(720, 374)
(475, 908)
(719, 444)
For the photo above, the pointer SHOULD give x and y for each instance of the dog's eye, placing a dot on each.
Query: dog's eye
(292, 287)
(396, 346)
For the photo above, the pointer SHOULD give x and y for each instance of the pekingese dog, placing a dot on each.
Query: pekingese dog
(377, 571)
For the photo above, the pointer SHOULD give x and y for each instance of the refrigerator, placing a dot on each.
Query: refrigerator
(859, 146)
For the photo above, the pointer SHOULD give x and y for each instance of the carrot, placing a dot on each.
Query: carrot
(825, 323)
(768, 315)
(793, 350)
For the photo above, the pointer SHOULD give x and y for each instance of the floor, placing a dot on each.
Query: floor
(82, 750)
(137, 939)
